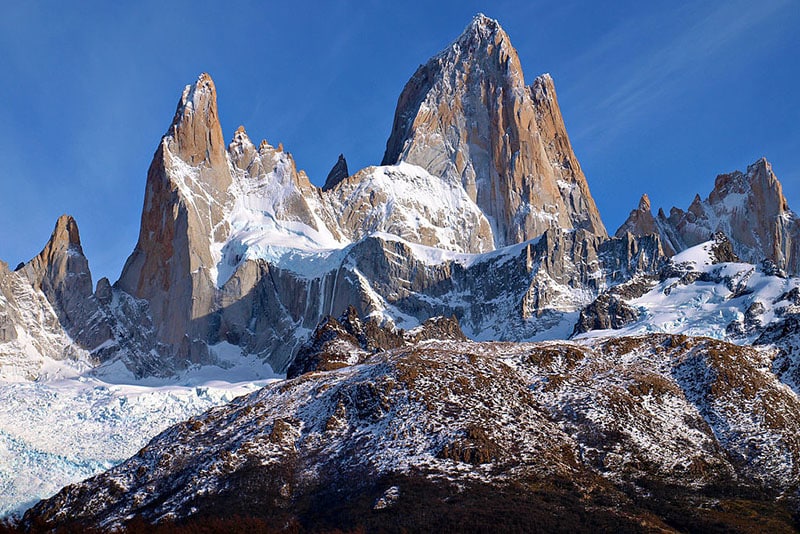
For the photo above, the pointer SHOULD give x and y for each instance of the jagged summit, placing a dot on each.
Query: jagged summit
(482, 31)
(468, 115)
(749, 208)
(65, 236)
(186, 194)
(195, 126)
(63, 245)
(61, 272)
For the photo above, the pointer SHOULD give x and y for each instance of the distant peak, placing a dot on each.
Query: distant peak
(543, 88)
(482, 21)
(199, 95)
(241, 137)
(338, 173)
(644, 203)
(761, 163)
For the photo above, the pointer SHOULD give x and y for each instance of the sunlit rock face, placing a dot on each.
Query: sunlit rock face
(467, 114)
(747, 207)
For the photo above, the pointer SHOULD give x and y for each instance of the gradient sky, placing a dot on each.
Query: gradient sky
(658, 96)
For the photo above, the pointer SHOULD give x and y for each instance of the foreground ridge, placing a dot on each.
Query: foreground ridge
(593, 426)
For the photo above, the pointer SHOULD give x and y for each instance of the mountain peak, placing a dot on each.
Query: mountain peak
(66, 232)
(467, 115)
(761, 163)
(195, 126)
(61, 271)
(483, 41)
(752, 212)
(641, 222)
(338, 173)
(481, 27)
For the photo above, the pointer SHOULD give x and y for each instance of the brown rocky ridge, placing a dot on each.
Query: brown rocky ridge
(648, 433)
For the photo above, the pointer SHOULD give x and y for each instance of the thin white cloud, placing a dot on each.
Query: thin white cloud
(694, 44)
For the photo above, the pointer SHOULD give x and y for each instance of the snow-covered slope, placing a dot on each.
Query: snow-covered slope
(699, 295)
(33, 344)
(407, 201)
(73, 423)
(696, 422)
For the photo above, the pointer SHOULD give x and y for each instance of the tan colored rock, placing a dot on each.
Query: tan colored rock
(749, 208)
(61, 272)
(186, 198)
(641, 222)
(467, 114)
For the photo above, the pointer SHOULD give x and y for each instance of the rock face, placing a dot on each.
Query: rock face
(747, 207)
(350, 340)
(185, 198)
(61, 272)
(641, 222)
(468, 115)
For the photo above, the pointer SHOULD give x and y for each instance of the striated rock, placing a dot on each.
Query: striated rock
(61, 272)
(185, 200)
(338, 173)
(748, 207)
(468, 115)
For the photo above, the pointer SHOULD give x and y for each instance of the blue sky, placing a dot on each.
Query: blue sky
(658, 97)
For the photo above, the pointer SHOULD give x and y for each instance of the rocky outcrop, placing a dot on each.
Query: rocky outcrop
(186, 197)
(61, 272)
(338, 173)
(608, 311)
(747, 207)
(341, 342)
(349, 340)
(468, 115)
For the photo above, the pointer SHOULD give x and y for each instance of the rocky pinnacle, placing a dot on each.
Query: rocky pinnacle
(467, 113)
